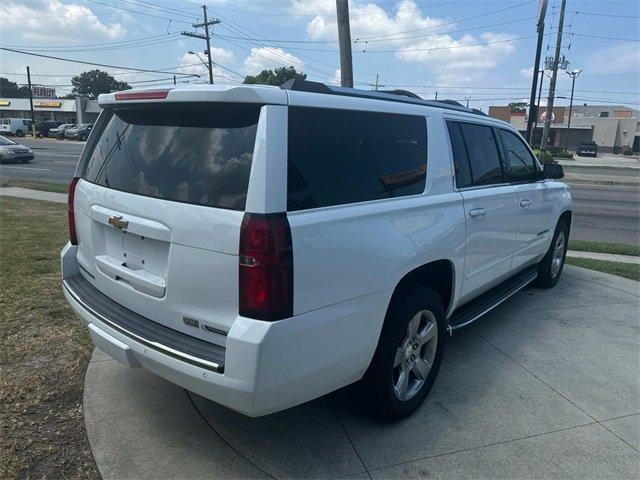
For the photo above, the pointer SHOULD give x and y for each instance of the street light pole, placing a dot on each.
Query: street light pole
(573, 74)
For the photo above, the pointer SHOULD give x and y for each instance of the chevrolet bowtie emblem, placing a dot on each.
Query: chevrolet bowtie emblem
(116, 221)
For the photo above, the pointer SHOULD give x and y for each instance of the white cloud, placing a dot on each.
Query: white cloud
(372, 28)
(446, 53)
(52, 20)
(269, 58)
(619, 59)
(527, 72)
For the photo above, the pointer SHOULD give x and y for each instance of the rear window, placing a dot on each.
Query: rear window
(342, 156)
(198, 154)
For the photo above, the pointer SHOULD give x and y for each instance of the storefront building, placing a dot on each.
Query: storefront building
(614, 128)
(75, 110)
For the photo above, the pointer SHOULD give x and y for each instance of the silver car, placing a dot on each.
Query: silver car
(11, 151)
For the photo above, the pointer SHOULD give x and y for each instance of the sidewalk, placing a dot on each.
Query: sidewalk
(615, 162)
(33, 194)
(608, 257)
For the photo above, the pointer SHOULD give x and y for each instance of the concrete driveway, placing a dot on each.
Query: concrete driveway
(546, 386)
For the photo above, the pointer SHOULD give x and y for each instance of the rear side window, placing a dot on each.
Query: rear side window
(342, 156)
(481, 152)
(460, 157)
(188, 153)
(522, 165)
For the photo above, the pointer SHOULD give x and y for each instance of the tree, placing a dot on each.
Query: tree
(275, 77)
(94, 82)
(11, 89)
(518, 107)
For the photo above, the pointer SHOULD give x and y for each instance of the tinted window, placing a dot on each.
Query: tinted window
(343, 156)
(483, 154)
(460, 157)
(187, 153)
(522, 165)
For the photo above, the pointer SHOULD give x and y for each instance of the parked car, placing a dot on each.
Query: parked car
(587, 149)
(58, 132)
(43, 128)
(11, 151)
(79, 132)
(263, 247)
(15, 126)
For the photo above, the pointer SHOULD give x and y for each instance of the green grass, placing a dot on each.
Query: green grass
(604, 247)
(35, 185)
(44, 350)
(626, 270)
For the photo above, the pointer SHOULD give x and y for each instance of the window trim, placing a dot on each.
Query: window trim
(538, 177)
(505, 171)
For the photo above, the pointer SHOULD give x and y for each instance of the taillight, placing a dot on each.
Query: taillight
(71, 219)
(266, 267)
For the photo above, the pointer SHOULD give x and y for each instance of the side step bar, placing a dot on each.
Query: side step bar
(489, 300)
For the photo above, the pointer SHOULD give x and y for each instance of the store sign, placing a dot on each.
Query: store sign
(47, 104)
(43, 92)
(5, 103)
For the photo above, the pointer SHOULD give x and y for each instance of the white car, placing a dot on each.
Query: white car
(264, 246)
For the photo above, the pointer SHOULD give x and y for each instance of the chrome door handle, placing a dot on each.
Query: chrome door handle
(525, 203)
(477, 212)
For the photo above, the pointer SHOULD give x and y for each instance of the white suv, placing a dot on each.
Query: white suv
(263, 246)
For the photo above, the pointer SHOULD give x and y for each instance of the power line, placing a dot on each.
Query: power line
(145, 70)
(449, 23)
(92, 44)
(507, 40)
(605, 37)
(138, 12)
(171, 39)
(577, 12)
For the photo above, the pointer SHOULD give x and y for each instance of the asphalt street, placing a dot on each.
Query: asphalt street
(608, 213)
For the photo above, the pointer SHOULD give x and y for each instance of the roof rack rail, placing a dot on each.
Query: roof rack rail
(401, 96)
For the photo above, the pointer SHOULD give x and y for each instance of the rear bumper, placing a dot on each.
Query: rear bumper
(266, 366)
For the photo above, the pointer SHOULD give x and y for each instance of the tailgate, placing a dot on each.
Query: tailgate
(159, 208)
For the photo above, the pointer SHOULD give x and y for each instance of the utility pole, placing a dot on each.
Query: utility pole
(206, 24)
(33, 116)
(533, 110)
(376, 85)
(436, 94)
(554, 77)
(344, 39)
(467, 99)
(573, 74)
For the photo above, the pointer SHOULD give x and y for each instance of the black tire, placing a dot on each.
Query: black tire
(548, 276)
(19, 133)
(378, 382)
(83, 138)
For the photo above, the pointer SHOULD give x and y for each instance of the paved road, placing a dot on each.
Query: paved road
(606, 213)
(602, 212)
(55, 161)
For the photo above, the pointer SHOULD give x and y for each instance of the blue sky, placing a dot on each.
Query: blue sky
(464, 48)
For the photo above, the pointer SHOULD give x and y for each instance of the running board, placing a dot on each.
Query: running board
(489, 300)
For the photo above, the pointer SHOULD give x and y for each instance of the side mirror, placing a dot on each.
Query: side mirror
(553, 170)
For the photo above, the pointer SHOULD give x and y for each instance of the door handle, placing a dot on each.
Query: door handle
(525, 203)
(477, 212)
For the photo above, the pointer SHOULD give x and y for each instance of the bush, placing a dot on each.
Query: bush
(546, 156)
(627, 150)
